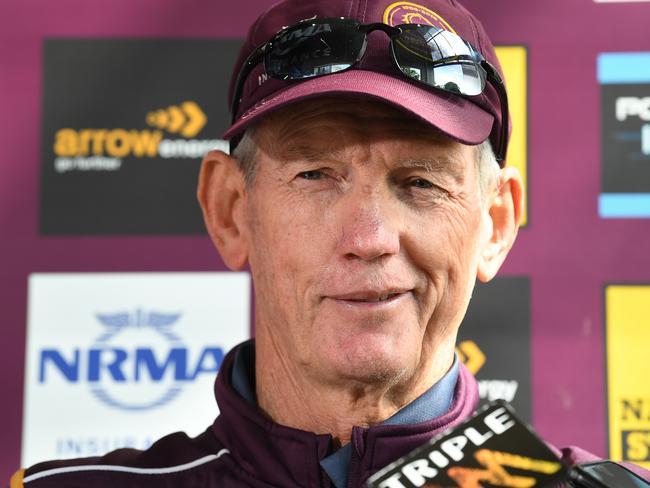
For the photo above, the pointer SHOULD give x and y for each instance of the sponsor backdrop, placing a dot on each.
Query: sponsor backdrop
(115, 306)
(625, 137)
(121, 148)
(118, 357)
(495, 324)
(627, 323)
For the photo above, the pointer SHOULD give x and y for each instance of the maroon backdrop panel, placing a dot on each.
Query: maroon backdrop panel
(566, 252)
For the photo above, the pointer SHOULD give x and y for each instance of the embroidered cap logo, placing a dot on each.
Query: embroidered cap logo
(412, 13)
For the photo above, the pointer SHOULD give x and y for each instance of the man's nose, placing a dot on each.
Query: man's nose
(370, 225)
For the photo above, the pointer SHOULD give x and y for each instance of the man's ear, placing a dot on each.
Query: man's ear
(505, 211)
(222, 195)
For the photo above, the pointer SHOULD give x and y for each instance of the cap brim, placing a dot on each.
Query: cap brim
(455, 116)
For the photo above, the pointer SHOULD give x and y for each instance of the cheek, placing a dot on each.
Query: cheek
(449, 252)
(448, 238)
(466, 243)
(464, 232)
(287, 243)
(291, 234)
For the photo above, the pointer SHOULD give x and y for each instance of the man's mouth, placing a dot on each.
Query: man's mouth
(378, 299)
(374, 296)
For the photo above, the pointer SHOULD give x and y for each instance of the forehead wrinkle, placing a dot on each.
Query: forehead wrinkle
(311, 154)
(328, 129)
(324, 139)
(329, 114)
(296, 139)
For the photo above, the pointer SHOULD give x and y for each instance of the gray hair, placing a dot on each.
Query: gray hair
(246, 155)
(486, 163)
(488, 170)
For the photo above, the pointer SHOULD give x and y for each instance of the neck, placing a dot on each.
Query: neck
(292, 398)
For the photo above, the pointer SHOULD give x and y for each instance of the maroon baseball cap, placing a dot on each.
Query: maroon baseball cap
(470, 120)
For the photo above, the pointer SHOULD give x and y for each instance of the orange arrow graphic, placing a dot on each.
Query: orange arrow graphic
(162, 119)
(471, 355)
(196, 119)
(188, 119)
(176, 119)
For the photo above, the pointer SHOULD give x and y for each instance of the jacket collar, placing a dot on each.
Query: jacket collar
(288, 457)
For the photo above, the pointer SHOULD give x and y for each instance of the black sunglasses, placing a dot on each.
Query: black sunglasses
(427, 54)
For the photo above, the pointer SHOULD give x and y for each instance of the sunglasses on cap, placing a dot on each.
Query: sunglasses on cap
(426, 54)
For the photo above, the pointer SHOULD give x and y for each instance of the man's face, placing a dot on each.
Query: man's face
(364, 231)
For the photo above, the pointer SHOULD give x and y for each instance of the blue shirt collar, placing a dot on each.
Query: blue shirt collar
(431, 404)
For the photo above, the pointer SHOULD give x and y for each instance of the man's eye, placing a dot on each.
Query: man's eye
(420, 183)
(311, 175)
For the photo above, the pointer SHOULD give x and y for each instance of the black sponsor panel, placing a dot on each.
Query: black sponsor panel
(494, 341)
(625, 140)
(125, 125)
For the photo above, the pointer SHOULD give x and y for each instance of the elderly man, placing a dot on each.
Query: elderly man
(367, 191)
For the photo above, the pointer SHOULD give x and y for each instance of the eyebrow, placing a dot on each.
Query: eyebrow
(449, 164)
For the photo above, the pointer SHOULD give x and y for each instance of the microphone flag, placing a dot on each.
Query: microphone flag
(494, 448)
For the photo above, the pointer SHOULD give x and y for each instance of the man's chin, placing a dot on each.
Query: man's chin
(378, 371)
(380, 378)
(381, 351)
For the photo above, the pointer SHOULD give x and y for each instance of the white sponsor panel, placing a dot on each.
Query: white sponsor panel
(121, 359)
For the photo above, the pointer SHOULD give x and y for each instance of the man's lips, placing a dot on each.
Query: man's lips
(370, 296)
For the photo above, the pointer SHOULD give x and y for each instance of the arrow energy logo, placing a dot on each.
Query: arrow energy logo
(188, 119)
(104, 149)
(488, 389)
(471, 356)
(494, 346)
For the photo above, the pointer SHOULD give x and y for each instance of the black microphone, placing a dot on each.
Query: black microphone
(605, 474)
(495, 448)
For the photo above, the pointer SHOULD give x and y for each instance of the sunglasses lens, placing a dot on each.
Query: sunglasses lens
(314, 49)
(438, 58)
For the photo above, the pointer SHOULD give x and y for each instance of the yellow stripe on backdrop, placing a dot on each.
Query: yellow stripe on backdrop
(514, 61)
(628, 372)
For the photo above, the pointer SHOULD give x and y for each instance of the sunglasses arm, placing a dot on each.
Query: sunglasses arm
(253, 59)
(497, 82)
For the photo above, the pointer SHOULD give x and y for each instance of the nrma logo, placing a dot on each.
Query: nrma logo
(137, 363)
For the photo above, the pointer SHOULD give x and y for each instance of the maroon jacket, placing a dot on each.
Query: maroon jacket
(245, 449)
